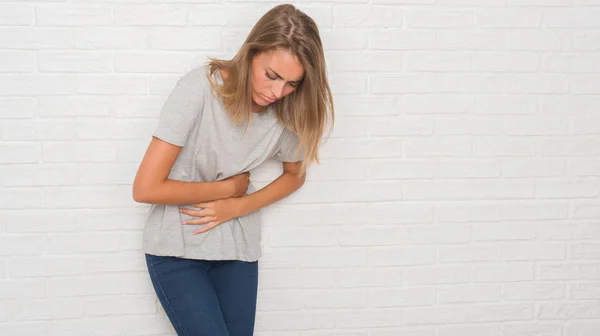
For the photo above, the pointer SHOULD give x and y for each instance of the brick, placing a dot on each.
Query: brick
(534, 251)
(19, 152)
(346, 38)
(38, 129)
(80, 151)
(20, 198)
(438, 61)
(396, 256)
(88, 197)
(536, 291)
(379, 61)
(415, 296)
(150, 15)
(471, 39)
(470, 253)
(315, 258)
(398, 39)
(347, 299)
(84, 286)
(79, 62)
(368, 16)
(27, 85)
(233, 15)
(371, 277)
(16, 14)
(362, 105)
(571, 271)
(437, 275)
(469, 314)
(294, 321)
(442, 104)
(104, 128)
(23, 289)
(539, 40)
(438, 234)
(508, 18)
(502, 232)
(111, 84)
(369, 318)
(450, 294)
(13, 61)
(399, 169)
(279, 300)
(97, 38)
(506, 62)
(72, 15)
(361, 236)
(120, 305)
(151, 62)
(18, 245)
(523, 328)
(75, 106)
(194, 38)
(569, 310)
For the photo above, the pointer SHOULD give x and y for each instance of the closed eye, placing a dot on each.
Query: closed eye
(269, 76)
(277, 76)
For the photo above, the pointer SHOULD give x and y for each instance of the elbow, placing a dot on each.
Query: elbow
(141, 194)
(300, 179)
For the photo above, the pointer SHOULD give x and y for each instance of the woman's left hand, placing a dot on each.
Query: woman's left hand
(213, 213)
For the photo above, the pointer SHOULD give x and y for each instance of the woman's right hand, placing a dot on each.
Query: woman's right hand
(240, 183)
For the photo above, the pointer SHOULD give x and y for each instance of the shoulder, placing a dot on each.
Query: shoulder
(196, 76)
(289, 135)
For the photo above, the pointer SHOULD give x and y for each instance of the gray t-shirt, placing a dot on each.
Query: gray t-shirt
(213, 149)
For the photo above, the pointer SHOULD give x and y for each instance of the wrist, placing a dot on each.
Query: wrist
(227, 188)
(242, 206)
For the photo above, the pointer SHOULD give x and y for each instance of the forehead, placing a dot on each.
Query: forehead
(284, 63)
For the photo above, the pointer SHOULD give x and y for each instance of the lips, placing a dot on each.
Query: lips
(267, 99)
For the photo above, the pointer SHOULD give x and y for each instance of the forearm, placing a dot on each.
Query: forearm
(280, 188)
(180, 192)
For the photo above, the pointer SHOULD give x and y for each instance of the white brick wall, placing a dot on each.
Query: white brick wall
(459, 194)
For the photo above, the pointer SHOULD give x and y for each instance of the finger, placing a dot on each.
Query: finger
(205, 205)
(203, 220)
(206, 228)
(198, 213)
(200, 205)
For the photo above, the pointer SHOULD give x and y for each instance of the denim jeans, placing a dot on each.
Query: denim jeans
(204, 297)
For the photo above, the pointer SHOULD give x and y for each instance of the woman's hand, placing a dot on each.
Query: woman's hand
(214, 213)
(239, 183)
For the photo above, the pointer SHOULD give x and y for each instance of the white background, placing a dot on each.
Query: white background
(457, 196)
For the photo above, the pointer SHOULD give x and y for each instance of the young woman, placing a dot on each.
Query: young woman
(202, 235)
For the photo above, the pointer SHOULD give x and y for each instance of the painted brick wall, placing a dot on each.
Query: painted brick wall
(457, 196)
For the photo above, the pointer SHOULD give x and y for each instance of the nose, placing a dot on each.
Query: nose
(277, 89)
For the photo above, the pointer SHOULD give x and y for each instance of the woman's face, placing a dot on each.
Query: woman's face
(273, 75)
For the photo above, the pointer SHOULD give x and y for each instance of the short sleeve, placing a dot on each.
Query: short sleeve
(182, 108)
(287, 147)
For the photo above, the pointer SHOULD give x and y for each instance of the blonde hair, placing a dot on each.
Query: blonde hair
(308, 111)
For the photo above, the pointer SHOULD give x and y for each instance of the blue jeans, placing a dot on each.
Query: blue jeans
(204, 297)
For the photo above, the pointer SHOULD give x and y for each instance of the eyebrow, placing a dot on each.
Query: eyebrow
(279, 76)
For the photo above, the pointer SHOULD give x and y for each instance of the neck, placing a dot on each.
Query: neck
(257, 108)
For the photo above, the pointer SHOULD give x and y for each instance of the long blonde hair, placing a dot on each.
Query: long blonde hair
(308, 111)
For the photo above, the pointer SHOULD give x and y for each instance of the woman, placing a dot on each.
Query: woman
(202, 235)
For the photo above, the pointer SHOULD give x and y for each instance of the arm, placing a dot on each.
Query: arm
(220, 211)
(151, 184)
(288, 182)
